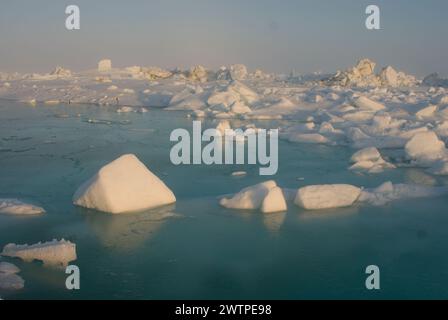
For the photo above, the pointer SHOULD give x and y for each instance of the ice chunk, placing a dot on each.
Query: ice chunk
(11, 281)
(153, 73)
(434, 80)
(326, 196)
(390, 77)
(225, 97)
(247, 95)
(239, 108)
(57, 253)
(425, 148)
(6, 267)
(366, 154)
(17, 207)
(274, 201)
(389, 192)
(239, 173)
(426, 112)
(372, 166)
(125, 109)
(223, 126)
(61, 72)
(368, 104)
(440, 168)
(370, 160)
(308, 138)
(105, 65)
(198, 73)
(238, 72)
(124, 185)
(250, 198)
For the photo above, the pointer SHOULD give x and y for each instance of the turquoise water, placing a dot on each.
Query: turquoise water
(195, 248)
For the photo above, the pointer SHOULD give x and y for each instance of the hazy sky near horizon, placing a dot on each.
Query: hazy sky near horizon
(274, 35)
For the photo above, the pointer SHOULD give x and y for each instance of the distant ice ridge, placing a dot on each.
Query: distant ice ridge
(363, 75)
(434, 80)
(9, 280)
(123, 185)
(17, 207)
(52, 253)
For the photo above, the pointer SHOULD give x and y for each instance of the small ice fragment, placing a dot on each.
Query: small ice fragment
(239, 173)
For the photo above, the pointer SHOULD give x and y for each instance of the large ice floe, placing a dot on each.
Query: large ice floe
(51, 253)
(17, 207)
(124, 185)
(266, 197)
(9, 279)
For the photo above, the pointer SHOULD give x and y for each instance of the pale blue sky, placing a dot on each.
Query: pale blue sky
(275, 35)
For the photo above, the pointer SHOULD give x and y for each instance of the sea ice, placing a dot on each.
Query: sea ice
(198, 73)
(10, 281)
(366, 154)
(425, 148)
(238, 72)
(123, 185)
(326, 196)
(368, 104)
(370, 160)
(17, 207)
(9, 268)
(104, 65)
(426, 112)
(390, 192)
(125, 109)
(58, 253)
(257, 197)
(274, 201)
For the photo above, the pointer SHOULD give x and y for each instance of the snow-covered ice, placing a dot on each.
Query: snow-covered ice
(57, 253)
(123, 185)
